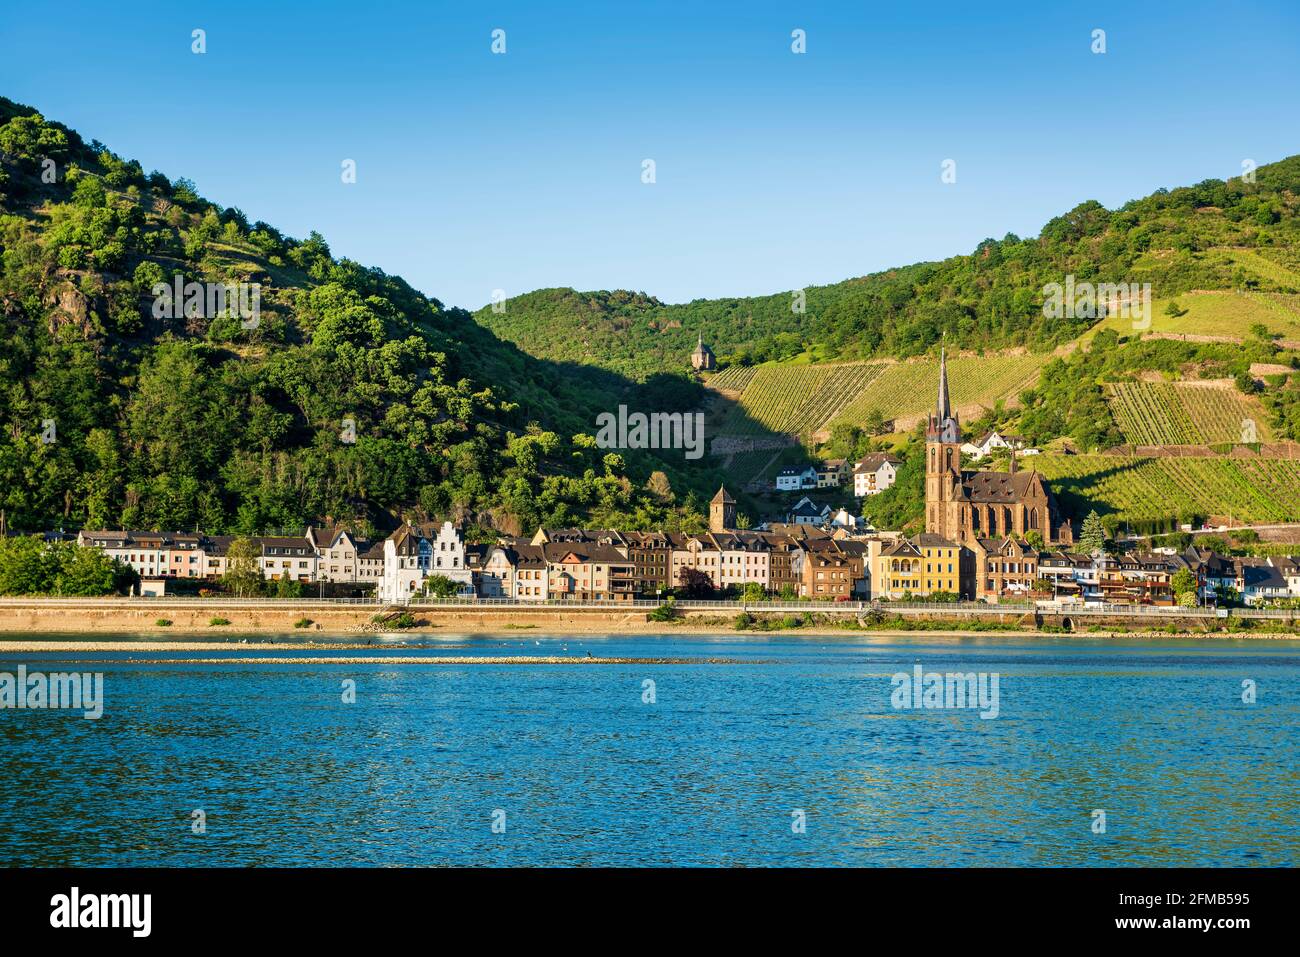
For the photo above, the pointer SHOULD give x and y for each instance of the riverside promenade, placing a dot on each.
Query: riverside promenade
(214, 615)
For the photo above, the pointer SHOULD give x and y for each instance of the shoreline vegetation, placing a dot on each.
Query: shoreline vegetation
(237, 625)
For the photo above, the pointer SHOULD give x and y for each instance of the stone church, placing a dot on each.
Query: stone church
(964, 507)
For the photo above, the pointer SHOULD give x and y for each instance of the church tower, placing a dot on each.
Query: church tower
(722, 511)
(943, 440)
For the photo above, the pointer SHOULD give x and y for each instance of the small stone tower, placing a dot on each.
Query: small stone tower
(722, 511)
(702, 359)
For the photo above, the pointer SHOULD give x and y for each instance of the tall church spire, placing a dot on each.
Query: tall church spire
(943, 410)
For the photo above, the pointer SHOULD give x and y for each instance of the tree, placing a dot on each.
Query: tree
(24, 566)
(753, 591)
(659, 486)
(88, 571)
(1183, 585)
(1092, 537)
(440, 586)
(286, 587)
(243, 576)
(695, 583)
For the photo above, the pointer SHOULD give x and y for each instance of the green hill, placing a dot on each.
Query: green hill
(117, 410)
(1215, 235)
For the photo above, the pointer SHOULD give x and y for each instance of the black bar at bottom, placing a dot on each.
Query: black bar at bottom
(333, 907)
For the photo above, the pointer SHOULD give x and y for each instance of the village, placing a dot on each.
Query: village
(992, 537)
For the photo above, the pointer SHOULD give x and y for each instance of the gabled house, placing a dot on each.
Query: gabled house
(989, 441)
(831, 473)
(875, 473)
(792, 478)
(416, 552)
(336, 553)
(1004, 568)
(805, 512)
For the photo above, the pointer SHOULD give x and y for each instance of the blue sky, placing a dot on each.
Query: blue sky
(774, 170)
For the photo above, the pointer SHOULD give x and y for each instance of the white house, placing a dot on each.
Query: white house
(874, 474)
(989, 441)
(415, 552)
(807, 513)
(791, 479)
(843, 518)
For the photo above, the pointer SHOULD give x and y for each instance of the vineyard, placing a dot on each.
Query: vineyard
(800, 399)
(1217, 314)
(1138, 489)
(733, 379)
(796, 398)
(907, 389)
(1186, 413)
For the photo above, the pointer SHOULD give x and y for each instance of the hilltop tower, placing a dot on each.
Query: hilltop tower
(722, 511)
(943, 479)
(702, 359)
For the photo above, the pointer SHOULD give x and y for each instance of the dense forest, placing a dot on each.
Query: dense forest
(350, 397)
(991, 298)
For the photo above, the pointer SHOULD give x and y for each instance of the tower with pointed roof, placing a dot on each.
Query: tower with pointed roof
(978, 508)
(722, 511)
(702, 359)
(943, 480)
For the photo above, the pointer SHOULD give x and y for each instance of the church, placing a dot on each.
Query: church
(964, 507)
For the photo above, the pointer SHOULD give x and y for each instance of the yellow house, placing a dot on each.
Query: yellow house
(920, 566)
(941, 560)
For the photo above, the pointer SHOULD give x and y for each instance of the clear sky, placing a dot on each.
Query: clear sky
(774, 170)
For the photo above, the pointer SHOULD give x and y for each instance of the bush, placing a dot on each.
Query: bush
(665, 612)
(218, 621)
(163, 622)
(303, 623)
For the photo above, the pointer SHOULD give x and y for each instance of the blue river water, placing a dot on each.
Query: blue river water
(792, 754)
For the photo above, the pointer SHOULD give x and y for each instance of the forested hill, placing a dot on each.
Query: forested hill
(116, 412)
(991, 298)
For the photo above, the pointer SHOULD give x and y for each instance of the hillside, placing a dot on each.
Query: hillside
(347, 396)
(1215, 235)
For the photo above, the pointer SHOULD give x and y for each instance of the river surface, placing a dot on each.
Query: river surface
(792, 754)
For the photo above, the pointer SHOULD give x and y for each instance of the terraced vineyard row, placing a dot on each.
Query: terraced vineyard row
(733, 379)
(1222, 414)
(1264, 267)
(796, 398)
(1186, 413)
(800, 399)
(908, 388)
(1150, 413)
(1249, 490)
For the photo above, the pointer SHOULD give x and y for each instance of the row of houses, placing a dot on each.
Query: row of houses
(606, 564)
(569, 563)
(320, 555)
(830, 562)
(870, 476)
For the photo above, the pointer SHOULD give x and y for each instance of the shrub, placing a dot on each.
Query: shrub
(163, 622)
(218, 621)
(303, 623)
(665, 612)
